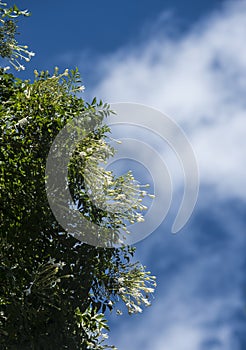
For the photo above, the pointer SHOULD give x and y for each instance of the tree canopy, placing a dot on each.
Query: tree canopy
(55, 287)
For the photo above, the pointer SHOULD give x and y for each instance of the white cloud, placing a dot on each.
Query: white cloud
(198, 295)
(183, 319)
(200, 80)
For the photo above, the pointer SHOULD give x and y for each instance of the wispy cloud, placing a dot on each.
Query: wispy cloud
(199, 79)
(198, 301)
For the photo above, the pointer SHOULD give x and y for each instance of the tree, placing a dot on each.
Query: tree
(55, 289)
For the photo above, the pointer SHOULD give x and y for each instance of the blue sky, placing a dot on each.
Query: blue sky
(62, 32)
(187, 59)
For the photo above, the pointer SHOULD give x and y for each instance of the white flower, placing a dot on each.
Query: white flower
(27, 291)
(146, 302)
(137, 308)
(121, 196)
(82, 154)
(140, 219)
(81, 88)
(121, 280)
(22, 122)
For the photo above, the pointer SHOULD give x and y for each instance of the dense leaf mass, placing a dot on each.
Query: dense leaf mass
(55, 289)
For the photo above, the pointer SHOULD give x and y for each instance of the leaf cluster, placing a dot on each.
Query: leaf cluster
(54, 288)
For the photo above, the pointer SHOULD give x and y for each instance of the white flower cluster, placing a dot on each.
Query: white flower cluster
(134, 288)
(45, 276)
(120, 196)
(19, 52)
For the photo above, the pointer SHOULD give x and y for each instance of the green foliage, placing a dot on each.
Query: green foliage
(95, 334)
(54, 287)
